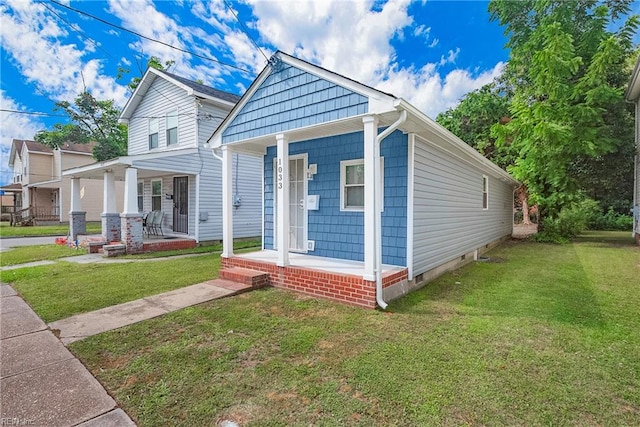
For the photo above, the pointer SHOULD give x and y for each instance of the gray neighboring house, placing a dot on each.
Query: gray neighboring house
(633, 95)
(170, 167)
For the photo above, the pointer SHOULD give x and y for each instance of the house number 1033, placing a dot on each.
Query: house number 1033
(280, 176)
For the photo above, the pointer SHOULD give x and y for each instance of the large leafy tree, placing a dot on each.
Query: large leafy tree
(567, 70)
(90, 120)
(471, 120)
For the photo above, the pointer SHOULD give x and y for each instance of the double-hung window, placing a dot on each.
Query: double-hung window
(156, 195)
(352, 184)
(172, 128)
(153, 133)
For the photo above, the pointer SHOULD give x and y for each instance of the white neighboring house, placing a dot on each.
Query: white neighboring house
(633, 94)
(170, 168)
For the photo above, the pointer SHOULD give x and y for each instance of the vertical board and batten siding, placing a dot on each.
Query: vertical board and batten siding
(162, 97)
(449, 220)
(291, 98)
(340, 234)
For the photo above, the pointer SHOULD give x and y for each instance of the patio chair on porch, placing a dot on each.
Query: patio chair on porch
(147, 220)
(155, 224)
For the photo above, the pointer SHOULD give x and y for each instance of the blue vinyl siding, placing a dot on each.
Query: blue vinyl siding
(341, 234)
(291, 98)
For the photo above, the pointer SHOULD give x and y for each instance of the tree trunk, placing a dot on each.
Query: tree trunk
(522, 195)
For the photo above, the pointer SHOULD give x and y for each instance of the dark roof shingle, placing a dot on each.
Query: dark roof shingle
(207, 90)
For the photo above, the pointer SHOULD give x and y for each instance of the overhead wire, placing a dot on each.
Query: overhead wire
(245, 30)
(151, 39)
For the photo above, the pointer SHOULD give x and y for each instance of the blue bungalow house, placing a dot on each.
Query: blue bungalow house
(364, 197)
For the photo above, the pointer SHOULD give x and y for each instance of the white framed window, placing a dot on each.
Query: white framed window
(485, 192)
(156, 195)
(172, 128)
(140, 196)
(352, 185)
(153, 133)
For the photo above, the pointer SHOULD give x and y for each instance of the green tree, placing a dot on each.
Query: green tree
(90, 120)
(153, 62)
(471, 120)
(567, 70)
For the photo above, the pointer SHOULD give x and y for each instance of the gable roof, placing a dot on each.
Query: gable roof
(78, 148)
(189, 86)
(18, 145)
(36, 147)
(386, 107)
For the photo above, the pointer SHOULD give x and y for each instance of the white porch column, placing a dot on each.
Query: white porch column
(282, 187)
(111, 223)
(76, 201)
(130, 191)
(77, 217)
(109, 194)
(370, 245)
(227, 202)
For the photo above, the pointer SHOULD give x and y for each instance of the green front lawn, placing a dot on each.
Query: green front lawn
(63, 289)
(44, 230)
(25, 254)
(540, 335)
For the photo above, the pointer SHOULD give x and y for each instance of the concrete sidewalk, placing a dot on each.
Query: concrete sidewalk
(87, 324)
(14, 242)
(42, 383)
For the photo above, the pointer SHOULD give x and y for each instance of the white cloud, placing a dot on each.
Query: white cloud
(35, 42)
(354, 39)
(434, 43)
(431, 93)
(450, 58)
(13, 126)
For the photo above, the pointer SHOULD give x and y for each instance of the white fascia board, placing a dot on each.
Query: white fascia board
(42, 183)
(455, 141)
(213, 100)
(137, 95)
(97, 165)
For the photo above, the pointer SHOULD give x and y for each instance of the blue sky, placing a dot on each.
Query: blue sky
(429, 52)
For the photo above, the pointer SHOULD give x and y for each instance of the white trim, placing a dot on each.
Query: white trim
(197, 209)
(150, 133)
(411, 140)
(262, 201)
(282, 187)
(351, 162)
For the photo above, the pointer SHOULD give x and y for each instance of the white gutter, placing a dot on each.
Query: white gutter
(378, 206)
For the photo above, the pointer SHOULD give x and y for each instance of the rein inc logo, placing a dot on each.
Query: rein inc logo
(15, 421)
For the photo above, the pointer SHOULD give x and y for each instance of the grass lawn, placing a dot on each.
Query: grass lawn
(542, 335)
(44, 230)
(24, 254)
(64, 289)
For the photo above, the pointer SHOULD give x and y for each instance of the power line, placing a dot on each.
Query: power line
(245, 30)
(31, 113)
(151, 39)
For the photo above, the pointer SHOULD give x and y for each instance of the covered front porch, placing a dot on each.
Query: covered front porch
(155, 213)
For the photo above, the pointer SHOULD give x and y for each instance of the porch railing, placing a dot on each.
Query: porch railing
(33, 214)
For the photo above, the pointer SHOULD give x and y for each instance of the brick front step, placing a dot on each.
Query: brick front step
(253, 278)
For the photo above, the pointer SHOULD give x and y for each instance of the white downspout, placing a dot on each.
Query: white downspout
(378, 207)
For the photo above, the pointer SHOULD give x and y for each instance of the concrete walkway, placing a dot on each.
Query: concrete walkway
(97, 259)
(87, 324)
(42, 383)
(14, 242)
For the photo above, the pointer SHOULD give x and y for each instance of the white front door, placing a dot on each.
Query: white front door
(297, 204)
